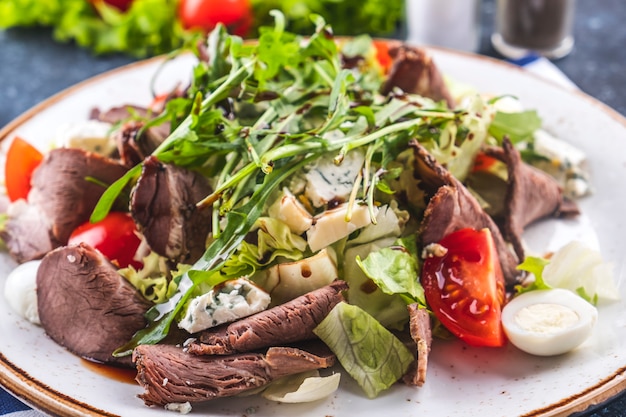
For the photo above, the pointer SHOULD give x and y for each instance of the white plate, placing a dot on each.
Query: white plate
(462, 381)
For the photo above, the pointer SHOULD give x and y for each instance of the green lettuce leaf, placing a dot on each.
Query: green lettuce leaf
(274, 240)
(395, 270)
(371, 354)
(518, 127)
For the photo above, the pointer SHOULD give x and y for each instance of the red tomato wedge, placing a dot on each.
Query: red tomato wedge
(115, 237)
(21, 160)
(236, 15)
(465, 287)
(382, 54)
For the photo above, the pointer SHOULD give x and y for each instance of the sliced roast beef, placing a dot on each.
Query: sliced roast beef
(453, 207)
(290, 322)
(65, 189)
(163, 204)
(27, 232)
(133, 142)
(531, 195)
(86, 306)
(170, 375)
(414, 71)
(421, 333)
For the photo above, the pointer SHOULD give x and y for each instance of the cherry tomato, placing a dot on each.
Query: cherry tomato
(484, 163)
(115, 237)
(236, 15)
(382, 54)
(21, 160)
(121, 5)
(465, 287)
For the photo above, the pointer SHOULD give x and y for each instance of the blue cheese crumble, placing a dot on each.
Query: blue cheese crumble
(225, 303)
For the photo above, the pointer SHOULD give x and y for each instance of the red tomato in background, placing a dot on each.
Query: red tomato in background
(382, 54)
(121, 5)
(465, 287)
(236, 15)
(115, 237)
(21, 160)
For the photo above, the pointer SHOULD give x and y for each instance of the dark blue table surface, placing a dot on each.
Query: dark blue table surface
(30, 63)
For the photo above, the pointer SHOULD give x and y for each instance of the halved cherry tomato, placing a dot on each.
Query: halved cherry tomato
(236, 15)
(115, 237)
(382, 54)
(465, 287)
(21, 160)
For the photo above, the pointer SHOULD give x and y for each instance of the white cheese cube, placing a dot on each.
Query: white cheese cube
(332, 225)
(290, 211)
(289, 280)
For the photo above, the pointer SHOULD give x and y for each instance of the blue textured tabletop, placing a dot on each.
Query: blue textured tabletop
(597, 65)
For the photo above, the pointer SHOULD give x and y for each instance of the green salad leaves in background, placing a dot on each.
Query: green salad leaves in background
(152, 27)
(148, 27)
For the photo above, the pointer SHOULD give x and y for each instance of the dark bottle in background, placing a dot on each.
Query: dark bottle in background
(543, 27)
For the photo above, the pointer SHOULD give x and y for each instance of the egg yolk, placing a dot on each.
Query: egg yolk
(546, 318)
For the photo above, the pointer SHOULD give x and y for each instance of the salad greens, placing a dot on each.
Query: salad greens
(263, 117)
(376, 17)
(151, 27)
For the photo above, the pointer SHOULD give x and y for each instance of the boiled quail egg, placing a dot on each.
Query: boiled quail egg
(548, 322)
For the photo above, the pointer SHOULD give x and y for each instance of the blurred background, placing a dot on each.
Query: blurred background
(38, 60)
(45, 48)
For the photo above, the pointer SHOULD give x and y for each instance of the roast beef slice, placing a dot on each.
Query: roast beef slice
(421, 333)
(286, 323)
(163, 204)
(65, 189)
(169, 374)
(531, 195)
(85, 305)
(453, 207)
(414, 71)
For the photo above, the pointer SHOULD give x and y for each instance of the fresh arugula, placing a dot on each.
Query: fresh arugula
(297, 104)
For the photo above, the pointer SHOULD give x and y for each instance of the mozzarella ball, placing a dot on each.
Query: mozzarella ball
(20, 290)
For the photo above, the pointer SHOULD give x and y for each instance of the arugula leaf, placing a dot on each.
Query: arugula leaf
(371, 354)
(112, 193)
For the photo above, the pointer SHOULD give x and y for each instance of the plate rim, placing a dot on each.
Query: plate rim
(44, 398)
